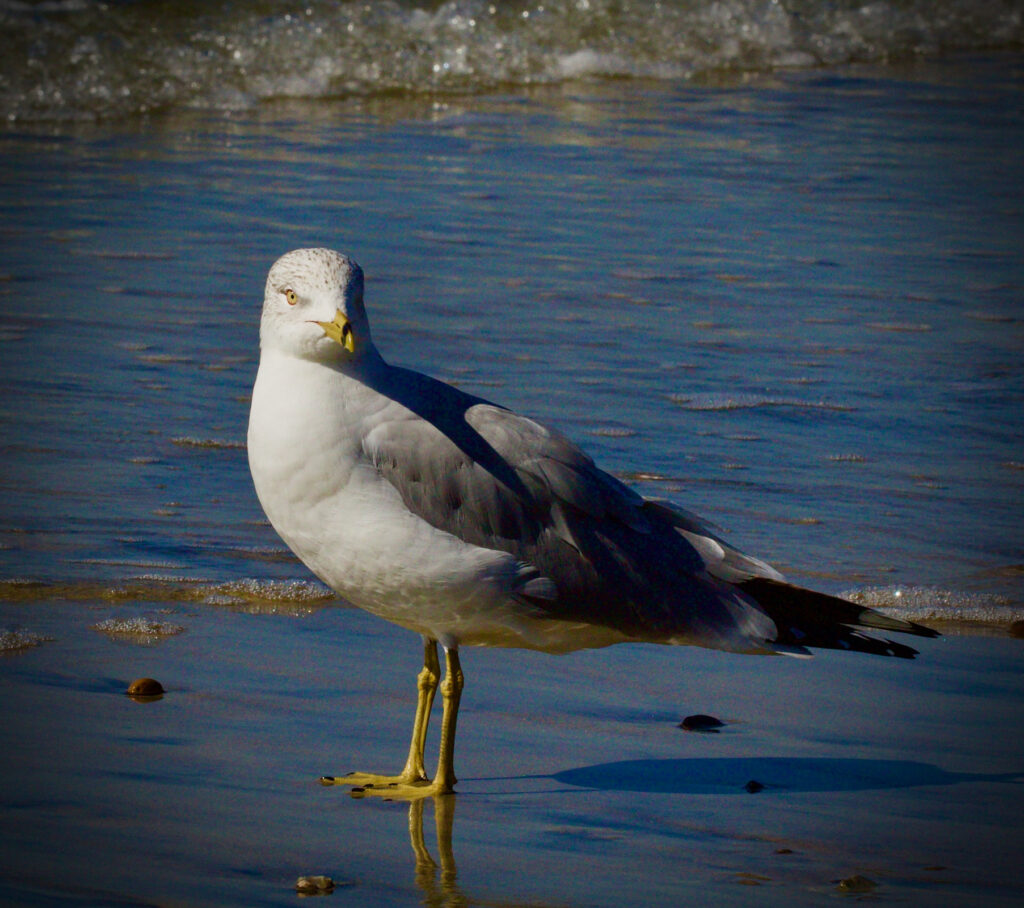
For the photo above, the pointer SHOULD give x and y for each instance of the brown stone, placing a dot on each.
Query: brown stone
(145, 688)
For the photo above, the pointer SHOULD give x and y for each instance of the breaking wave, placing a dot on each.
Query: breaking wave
(86, 59)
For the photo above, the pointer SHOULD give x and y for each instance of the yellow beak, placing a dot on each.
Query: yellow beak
(339, 329)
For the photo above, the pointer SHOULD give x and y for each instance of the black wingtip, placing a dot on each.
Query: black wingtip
(868, 617)
(817, 620)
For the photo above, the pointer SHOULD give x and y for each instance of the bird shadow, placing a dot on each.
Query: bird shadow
(741, 775)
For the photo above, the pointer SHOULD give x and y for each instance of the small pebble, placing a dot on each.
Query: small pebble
(1017, 629)
(701, 723)
(145, 688)
(309, 885)
(753, 786)
(857, 883)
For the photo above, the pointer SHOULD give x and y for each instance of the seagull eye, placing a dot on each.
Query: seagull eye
(291, 296)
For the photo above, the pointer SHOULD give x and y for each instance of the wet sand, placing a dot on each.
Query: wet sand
(576, 785)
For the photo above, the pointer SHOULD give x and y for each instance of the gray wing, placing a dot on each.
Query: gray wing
(599, 552)
(496, 479)
(502, 481)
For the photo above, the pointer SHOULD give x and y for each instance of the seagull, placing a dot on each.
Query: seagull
(471, 525)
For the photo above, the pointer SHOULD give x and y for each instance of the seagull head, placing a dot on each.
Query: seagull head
(313, 307)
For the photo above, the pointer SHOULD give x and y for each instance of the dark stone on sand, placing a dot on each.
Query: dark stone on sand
(145, 689)
(314, 885)
(701, 722)
(753, 786)
(1017, 629)
(857, 883)
(784, 851)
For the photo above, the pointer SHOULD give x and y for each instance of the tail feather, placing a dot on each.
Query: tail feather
(807, 618)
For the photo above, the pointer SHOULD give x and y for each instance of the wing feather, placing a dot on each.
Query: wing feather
(602, 554)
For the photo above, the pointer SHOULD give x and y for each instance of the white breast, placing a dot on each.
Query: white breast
(350, 526)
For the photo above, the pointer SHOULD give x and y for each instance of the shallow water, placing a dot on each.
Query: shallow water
(793, 306)
(792, 303)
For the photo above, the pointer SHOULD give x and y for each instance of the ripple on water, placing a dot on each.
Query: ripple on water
(187, 441)
(291, 597)
(12, 641)
(298, 597)
(900, 326)
(138, 629)
(1000, 317)
(726, 401)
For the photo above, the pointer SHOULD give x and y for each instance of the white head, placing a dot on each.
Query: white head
(313, 307)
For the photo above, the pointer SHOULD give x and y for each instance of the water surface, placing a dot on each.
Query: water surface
(789, 300)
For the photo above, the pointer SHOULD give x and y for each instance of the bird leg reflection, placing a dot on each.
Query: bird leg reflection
(413, 782)
(426, 868)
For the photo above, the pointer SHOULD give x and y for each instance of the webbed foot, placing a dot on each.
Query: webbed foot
(399, 788)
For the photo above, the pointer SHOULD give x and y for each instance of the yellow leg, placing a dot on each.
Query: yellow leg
(413, 783)
(451, 694)
(426, 687)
